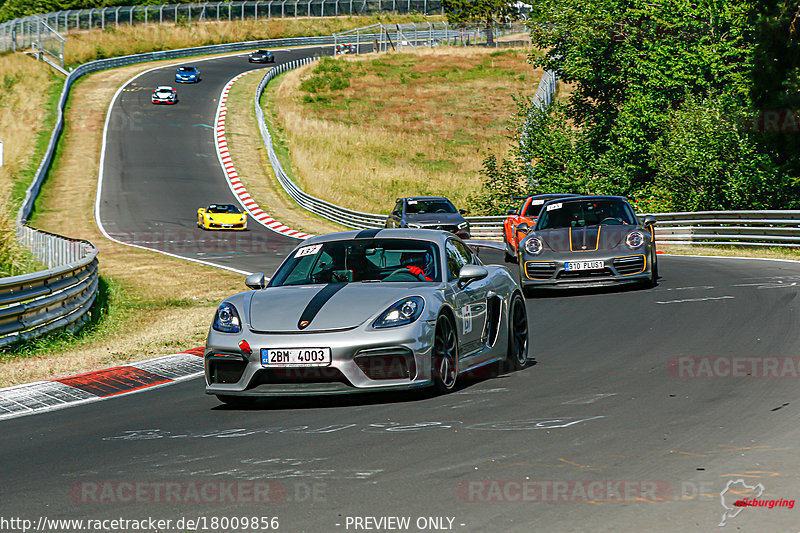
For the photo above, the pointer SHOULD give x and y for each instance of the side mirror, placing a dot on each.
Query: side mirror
(523, 227)
(511, 212)
(395, 214)
(463, 211)
(470, 273)
(256, 281)
(649, 220)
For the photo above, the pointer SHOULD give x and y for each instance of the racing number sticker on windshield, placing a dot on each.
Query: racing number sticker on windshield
(537, 202)
(308, 250)
(554, 206)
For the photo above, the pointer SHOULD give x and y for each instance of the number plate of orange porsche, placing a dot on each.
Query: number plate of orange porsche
(278, 357)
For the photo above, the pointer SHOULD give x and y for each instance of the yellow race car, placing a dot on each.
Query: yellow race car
(221, 216)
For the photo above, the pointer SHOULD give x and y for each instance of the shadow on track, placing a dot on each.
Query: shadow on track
(276, 403)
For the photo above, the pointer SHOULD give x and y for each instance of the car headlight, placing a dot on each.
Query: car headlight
(533, 245)
(463, 225)
(415, 226)
(401, 313)
(210, 218)
(226, 319)
(634, 239)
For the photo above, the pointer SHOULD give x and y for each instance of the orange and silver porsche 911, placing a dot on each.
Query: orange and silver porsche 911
(526, 214)
(221, 216)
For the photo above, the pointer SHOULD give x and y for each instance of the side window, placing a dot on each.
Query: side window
(456, 258)
(467, 253)
(399, 207)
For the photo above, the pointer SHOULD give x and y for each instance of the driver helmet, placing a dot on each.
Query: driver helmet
(422, 259)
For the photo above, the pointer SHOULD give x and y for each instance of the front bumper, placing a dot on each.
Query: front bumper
(617, 268)
(363, 359)
(238, 226)
(261, 59)
(163, 101)
(187, 80)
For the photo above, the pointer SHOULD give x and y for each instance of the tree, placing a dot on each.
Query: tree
(486, 12)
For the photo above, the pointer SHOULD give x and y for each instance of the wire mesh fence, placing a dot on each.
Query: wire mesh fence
(21, 33)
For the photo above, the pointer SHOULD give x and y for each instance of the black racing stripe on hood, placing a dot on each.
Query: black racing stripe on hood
(317, 302)
(584, 238)
(367, 233)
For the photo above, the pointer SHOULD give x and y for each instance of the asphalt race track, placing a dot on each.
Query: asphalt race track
(160, 165)
(636, 415)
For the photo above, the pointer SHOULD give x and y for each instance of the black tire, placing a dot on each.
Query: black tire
(653, 281)
(236, 401)
(508, 257)
(444, 358)
(518, 338)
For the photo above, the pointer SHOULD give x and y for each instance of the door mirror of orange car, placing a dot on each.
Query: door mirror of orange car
(524, 228)
(649, 220)
(511, 212)
(256, 281)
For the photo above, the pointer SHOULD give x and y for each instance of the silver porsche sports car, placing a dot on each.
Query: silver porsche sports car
(588, 241)
(369, 310)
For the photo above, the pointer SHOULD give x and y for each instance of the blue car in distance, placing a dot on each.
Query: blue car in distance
(187, 74)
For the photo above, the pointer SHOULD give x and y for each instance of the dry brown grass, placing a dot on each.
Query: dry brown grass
(160, 317)
(421, 126)
(90, 45)
(24, 87)
(253, 166)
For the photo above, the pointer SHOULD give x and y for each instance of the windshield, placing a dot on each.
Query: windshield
(438, 205)
(362, 260)
(585, 213)
(223, 209)
(186, 69)
(533, 209)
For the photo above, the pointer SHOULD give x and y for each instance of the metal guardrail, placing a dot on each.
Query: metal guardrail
(740, 228)
(58, 298)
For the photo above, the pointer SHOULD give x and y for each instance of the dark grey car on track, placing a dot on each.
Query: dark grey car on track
(429, 212)
(588, 241)
(362, 311)
(261, 56)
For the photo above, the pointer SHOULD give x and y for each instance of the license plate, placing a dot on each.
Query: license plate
(227, 225)
(583, 265)
(275, 357)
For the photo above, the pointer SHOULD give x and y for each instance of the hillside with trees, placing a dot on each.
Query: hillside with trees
(677, 105)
